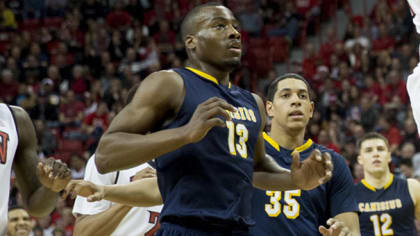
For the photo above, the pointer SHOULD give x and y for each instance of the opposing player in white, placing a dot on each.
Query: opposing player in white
(107, 218)
(413, 81)
(18, 151)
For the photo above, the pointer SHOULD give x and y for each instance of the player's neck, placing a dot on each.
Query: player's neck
(286, 138)
(378, 180)
(221, 76)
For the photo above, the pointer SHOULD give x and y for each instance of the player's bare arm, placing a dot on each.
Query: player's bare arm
(414, 188)
(103, 223)
(305, 175)
(141, 193)
(39, 200)
(155, 103)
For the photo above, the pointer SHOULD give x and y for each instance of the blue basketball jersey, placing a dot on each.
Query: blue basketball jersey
(386, 211)
(298, 212)
(211, 181)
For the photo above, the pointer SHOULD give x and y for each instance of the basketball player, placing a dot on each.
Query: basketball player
(205, 133)
(387, 203)
(413, 80)
(299, 212)
(18, 148)
(105, 218)
(19, 222)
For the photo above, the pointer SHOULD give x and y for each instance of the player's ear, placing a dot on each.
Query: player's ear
(312, 109)
(190, 42)
(269, 108)
(359, 159)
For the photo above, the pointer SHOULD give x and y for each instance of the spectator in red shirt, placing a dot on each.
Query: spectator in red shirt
(79, 84)
(97, 122)
(71, 110)
(390, 131)
(384, 41)
(396, 87)
(118, 18)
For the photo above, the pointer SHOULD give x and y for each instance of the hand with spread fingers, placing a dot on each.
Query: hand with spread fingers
(53, 174)
(313, 171)
(336, 228)
(147, 172)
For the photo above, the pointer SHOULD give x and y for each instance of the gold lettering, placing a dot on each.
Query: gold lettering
(361, 208)
(251, 113)
(230, 114)
(237, 116)
(248, 117)
(399, 203)
(373, 206)
(241, 111)
(367, 207)
(392, 204)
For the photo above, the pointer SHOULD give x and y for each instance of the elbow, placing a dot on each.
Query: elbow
(102, 165)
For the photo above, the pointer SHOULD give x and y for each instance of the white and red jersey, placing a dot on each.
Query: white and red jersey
(8, 146)
(138, 221)
(413, 81)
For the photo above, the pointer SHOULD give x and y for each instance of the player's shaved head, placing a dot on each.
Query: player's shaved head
(187, 25)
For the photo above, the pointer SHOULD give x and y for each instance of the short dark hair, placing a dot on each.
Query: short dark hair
(15, 207)
(188, 19)
(272, 88)
(371, 135)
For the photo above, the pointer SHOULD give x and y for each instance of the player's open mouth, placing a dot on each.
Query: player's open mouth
(22, 230)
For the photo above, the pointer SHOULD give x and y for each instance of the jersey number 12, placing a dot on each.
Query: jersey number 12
(383, 230)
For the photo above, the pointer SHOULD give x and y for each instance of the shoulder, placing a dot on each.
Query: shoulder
(23, 122)
(414, 190)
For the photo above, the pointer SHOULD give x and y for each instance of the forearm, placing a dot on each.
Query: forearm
(413, 88)
(135, 148)
(103, 223)
(141, 193)
(42, 202)
(270, 176)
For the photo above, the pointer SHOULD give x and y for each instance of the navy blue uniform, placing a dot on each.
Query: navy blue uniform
(386, 211)
(299, 212)
(208, 184)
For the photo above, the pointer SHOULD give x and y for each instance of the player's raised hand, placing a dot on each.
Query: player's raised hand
(147, 172)
(85, 189)
(53, 174)
(336, 228)
(313, 171)
(206, 116)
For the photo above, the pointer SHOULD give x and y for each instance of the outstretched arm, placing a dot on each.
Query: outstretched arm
(156, 102)
(268, 175)
(141, 193)
(38, 199)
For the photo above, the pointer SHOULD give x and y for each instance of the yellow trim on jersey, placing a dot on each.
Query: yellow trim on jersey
(370, 187)
(205, 75)
(304, 146)
(271, 141)
(391, 178)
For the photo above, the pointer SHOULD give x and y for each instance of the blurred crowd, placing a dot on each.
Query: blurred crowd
(70, 64)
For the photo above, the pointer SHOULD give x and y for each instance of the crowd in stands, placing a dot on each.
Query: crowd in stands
(70, 64)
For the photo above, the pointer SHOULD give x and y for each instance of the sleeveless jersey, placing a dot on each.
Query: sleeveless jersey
(299, 212)
(210, 181)
(386, 211)
(8, 146)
